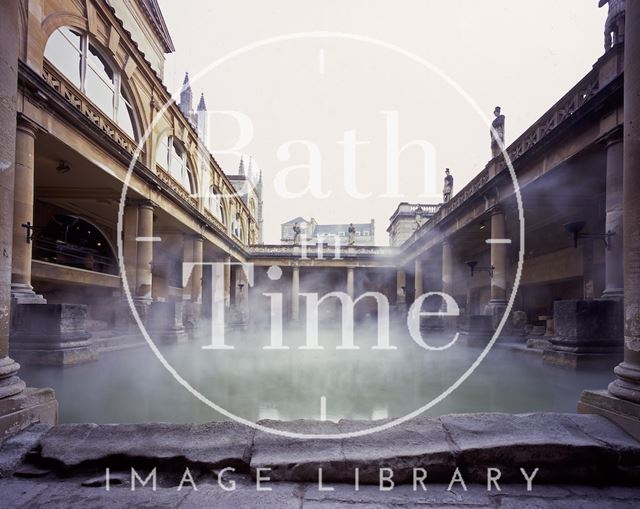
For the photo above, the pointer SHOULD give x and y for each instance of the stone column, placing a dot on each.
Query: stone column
(19, 407)
(401, 287)
(622, 402)
(498, 301)
(614, 276)
(130, 245)
(10, 384)
(295, 293)
(447, 267)
(192, 293)
(449, 322)
(350, 282)
(21, 289)
(418, 278)
(188, 257)
(196, 287)
(145, 252)
(627, 385)
(227, 281)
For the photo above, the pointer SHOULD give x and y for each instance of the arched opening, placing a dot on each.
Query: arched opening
(236, 227)
(77, 56)
(214, 204)
(172, 157)
(72, 241)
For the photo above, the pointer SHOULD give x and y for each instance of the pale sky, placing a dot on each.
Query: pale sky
(521, 55)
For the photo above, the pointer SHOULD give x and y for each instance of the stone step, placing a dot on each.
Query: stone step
(565, 448)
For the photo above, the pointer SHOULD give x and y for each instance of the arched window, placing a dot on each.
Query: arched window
(172, 157)
(236, 227)
(214, 203)
(76, 56)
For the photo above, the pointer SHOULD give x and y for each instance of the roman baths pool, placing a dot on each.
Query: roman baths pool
(130, 386)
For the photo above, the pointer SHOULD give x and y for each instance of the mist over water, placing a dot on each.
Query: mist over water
(132, 386)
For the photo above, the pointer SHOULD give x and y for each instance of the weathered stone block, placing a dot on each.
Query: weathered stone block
(421, 442)
(476, 330)
(588, 333)
(563, 448)
(179, 445)
(164, 322)
(51, 334)
(26, 408)
(292, 459)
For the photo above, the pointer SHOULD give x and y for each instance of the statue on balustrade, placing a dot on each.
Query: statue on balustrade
(447, 190)
(614, 25)
(498, 130)
(352, 234)
(296, 234)
(418, 217)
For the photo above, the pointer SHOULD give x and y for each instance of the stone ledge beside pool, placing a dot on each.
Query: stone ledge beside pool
(565, 448)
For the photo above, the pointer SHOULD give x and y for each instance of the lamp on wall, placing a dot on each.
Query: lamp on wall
(29, 229)
(575, 228)
(473, 268)
(63, 167)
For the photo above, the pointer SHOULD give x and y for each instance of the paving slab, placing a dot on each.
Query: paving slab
(421, 443)
(15, 448)
(211, 444)
(290, 459)
(553, 443)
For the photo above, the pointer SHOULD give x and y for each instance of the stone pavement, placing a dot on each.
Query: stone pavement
(463, 460)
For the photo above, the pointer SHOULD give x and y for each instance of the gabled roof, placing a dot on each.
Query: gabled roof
(154, 15)
(296, 220)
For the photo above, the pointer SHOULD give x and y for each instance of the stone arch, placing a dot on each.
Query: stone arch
(49, 25)
(74, 240)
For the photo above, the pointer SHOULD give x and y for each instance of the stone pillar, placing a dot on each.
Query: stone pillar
(196, 286)
(19, 406)
(295, 293)
(614, 276)
(418, 278)
(21, 289)
(145, 252)
(227, 282)
(401, 287)
(447, 267)
(449, 322)
(622, 402)
(498, 302)
(350, 282)
(627, 384)
(130, 245)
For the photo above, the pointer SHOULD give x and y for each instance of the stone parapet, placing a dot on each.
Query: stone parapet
(51, 334)
(588, 333)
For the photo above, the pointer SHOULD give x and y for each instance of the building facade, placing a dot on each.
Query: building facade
(407, 219)
(82, 83)
(313, 232)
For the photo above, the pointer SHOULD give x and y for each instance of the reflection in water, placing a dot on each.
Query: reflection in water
(132, 386)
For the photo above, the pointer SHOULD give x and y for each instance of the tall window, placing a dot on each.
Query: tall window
(214, 203)
(78, 58)
(236, 227)
(173, 158)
